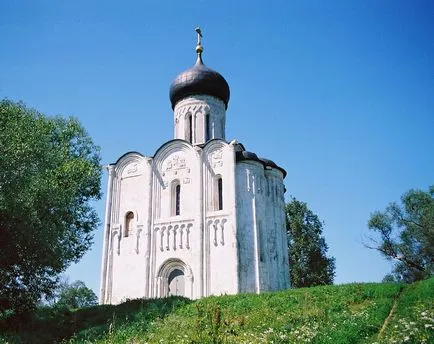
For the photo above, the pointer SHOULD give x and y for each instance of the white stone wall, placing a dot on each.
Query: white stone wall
(263, 252)
(177, 238)
(240, 248)
(221, 260)
(201, 240)
(276, 247)
(126, 251)
(247, 225)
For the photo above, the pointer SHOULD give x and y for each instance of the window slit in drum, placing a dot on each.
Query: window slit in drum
(190, 129)
(177, 199)
(207, 128)
(220, 193)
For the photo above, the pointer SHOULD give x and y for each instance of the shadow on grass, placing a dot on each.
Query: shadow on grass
(54, 325)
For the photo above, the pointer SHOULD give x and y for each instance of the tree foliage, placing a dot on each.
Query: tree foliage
(75, 295)
(308, 263)
(49, 174)
(405, 234)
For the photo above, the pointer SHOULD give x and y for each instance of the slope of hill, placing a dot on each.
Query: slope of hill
(353, 313)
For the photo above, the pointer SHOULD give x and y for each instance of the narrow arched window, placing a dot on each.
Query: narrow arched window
(190, 128)
(129, 219)
(220, 193)
(207, 128)
(176, 198)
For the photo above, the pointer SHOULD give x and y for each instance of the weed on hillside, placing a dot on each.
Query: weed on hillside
(353, 313)
(413, 320)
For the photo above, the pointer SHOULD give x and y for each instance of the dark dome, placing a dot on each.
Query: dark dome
(269, 162)
(245, 155)
(199, 79)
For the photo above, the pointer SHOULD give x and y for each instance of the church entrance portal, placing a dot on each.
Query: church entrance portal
(174, 278)
(176, 283)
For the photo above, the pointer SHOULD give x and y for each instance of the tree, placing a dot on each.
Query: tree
(76, 295)
(404, 233)
(308, 263)
(49, 174)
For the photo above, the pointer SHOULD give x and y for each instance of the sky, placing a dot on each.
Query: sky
(339, 93)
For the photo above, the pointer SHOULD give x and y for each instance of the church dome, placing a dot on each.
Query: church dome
(199, 79)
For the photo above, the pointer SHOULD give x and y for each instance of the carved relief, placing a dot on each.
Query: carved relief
(116, 238)
(132, 170)
(168, 234)
(187, 232)
(139, 231)
(217, 154)
(172, 237)
(195, 106)
(216, 158)
(175, 232)
(176, 163)
(222, 227)
(217, 231)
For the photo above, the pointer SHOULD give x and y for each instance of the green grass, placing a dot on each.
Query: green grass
(353, 313)
(413, 320)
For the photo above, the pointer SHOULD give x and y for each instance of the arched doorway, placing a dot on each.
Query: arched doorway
(174, 278)
(176, 283)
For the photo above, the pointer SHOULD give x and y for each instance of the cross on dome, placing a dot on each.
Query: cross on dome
(199, 80)
(199, 47)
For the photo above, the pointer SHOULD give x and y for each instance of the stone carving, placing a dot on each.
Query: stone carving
(187, 232)
(168, 231)
(139, 231)
(176, 163)
(186, 181)
(116, 227)
(116, 238)
(217, 154)
(171, 237)
(217, 230)
(216, 158)
(133, 169)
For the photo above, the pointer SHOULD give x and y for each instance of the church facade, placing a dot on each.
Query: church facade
(202, 216)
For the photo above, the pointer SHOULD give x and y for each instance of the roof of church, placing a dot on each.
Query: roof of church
(245, 155)
(199, 79)
(240, 154)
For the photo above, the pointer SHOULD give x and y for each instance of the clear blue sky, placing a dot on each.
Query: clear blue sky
(339, 93)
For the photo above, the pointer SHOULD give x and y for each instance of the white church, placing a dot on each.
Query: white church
(202, 216)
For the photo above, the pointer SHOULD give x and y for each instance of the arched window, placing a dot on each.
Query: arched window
(129, 220)
(176, 198)
(207, 128)
(219, 193)
(190, 128)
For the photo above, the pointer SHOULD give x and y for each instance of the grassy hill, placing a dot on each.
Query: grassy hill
(353, 313)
